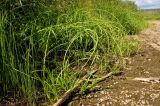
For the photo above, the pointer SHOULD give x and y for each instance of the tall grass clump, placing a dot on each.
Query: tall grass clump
(126, 13)
(42, 41)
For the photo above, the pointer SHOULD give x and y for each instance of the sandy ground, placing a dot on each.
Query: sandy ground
(122, 90)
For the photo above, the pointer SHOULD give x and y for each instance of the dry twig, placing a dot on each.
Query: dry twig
(70, 91)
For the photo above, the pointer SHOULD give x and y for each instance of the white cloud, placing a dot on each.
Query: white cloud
(147, 3)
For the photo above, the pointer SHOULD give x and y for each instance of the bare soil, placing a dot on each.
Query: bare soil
(122, 90)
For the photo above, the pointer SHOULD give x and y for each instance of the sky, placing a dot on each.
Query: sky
(148, 4)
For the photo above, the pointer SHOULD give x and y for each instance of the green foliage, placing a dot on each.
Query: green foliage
(55, 84)
(40, 40)
(151, 15)
(125, 13)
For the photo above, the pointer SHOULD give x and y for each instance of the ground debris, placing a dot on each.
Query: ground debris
(151, 79)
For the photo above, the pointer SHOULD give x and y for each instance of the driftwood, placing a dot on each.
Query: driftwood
(100, 79)
(107, 76)
(151, 79)
(76, 87)
(70, 91)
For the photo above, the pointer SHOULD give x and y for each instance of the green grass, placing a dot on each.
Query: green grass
(151, 15)
(41, 41)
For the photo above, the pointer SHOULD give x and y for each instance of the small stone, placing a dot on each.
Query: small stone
(98, 104)
(149, 59)
(103, 104)
(102, 92)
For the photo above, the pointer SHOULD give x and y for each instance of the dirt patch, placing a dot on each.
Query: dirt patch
(151, 36)
(122, 90)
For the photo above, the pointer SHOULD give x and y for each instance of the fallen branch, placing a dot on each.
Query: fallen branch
(70, 91)
(151, 79)
(105, 77)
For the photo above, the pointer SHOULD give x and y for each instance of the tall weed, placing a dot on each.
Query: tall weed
(41, 41)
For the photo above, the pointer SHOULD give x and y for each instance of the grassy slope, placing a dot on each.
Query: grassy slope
(40, 41)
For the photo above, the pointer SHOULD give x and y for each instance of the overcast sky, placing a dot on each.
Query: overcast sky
(148, 4)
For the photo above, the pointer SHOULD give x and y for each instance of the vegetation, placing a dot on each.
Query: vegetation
(151, 14)
(45, 43)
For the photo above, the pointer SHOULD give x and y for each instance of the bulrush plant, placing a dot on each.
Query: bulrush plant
(41, 41)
